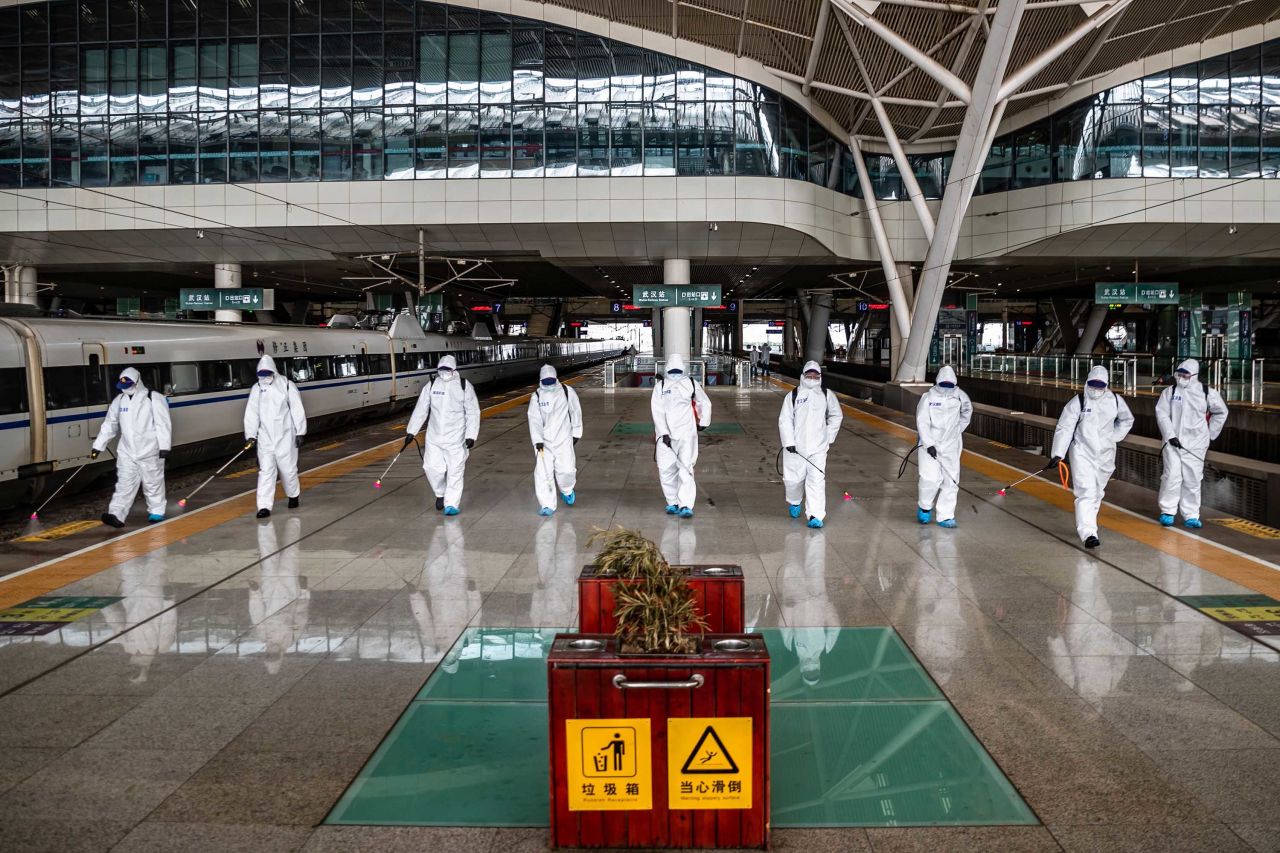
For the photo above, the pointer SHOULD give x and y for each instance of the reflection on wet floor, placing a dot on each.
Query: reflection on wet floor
(248, 671)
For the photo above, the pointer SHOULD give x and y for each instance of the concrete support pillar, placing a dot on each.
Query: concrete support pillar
(20, 285)
(225, 276)
(698, 333)
(815, 347)
(656, 323)
(897, 340)
(738, 346)
(676, 337)
(789, 335)
(1092, 328)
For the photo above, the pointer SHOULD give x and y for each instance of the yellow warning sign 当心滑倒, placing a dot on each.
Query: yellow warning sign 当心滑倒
(1243, 614)
(608, 765)
(709, 763)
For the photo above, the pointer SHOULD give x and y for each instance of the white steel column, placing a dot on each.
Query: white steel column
(225, 276)
(815, 347)
(971, 152)
(897, 298)
(20, 285)
(676, 336)
(897, 338)
(1092, 328)
(905, 171)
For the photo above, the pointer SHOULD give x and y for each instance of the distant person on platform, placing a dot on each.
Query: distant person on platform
(1190, 414)
(808, 425)
(753, 355)
(1092, 423)
(765, 352)
(140, 417)
(276, 422)
(448, 408)
(942, 416)
(555, 425)
(681, 409)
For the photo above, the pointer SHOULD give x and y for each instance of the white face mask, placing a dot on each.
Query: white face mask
(264, 381)
(448, 375)
(811, 384)
(1094, 393)
(1183, 380)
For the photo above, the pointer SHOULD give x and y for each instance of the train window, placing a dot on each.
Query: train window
(345, 366)
(184, 378)
(218, 376)
(379, 364)
(13, 390)
(64, 387)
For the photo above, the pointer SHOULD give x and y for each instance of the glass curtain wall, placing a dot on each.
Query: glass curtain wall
(129, 92)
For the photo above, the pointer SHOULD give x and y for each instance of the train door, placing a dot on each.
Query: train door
(16, 410)
(97, 391)
(366, 397)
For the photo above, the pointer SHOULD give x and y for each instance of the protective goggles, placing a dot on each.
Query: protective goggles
(812, 374)
(444, 369)
(549, 381)
(946, 384)
(1097, 383)
(124, 384)
(1182, 372)
(263, 374)
(675, 373)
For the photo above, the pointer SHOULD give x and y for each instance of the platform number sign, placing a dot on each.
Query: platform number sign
(609, 765)
(709, 763)
(615, 307)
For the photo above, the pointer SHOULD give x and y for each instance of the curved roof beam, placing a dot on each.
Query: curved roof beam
(1026, 73)
(926, 63)
(815, 48)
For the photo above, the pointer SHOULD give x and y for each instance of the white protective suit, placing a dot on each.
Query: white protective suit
(140, 416)
(679, 407)
(809, 421)
(555, 546)
(275, 417)
(1194, 414)
(807, 610)
(444, 600)
(942, 416)
(449, 409)
(555, 422)
(1091, 432)
(279, 600)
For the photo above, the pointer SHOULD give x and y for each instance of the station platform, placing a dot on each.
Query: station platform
(219, 683)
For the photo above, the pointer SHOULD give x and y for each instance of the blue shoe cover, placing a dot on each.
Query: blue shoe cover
(546, 510)
(793, 510)
(815, 523)
(685, 512)
(947, 523)
(451, 510)
(672, 509)
(923, 515)
(153, 518)
(1166, 520)
(570, 498)
(1192, 524)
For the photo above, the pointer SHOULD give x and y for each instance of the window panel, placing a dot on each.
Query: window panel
(595, 64)
(996, 169)
(242, 156)
(660, 77)
(1184, 139)
(464, 142)
(495, 142)
(527, 147)
(335, 16)
(720, 130)
(366, 16)
(273, 145)
(11, 152)
(795, 142)
(335, 71)
(123, 166)
(398, 144)
(242, 85)
(526, 61)
(304, 145)
(1119, 141)
(1271, 73)
(627, 79)
(153, 151)
(464, 68)
(495, 68)
(1270, 166)
(335, 161)
(93, 80)
(1155, 141)
(273, 73)
(35, 152)
(561, 76)
(690, 82)
(123, 20)
(273, 17)
(124, 80)
(95, 136)
(64, 154)
(1246, 79)
(432, 65)
(242, 17)
(304, 72)
(562, 141)
(1073, 143)
(593, 140)
(153, 18)
(432, 144)
(35, 24)
(399, 71)
(366, 70)
(1215, 84)
(1155, 88)
(62, 23)
(1213, 141)
(398, 14)
(366, 145)
(213, 18)
(691, 132)
(213, 75)
(35, 80)
(213, 148)
(626, 145)
(756, 134)
(1245, 127)
(153, 79)
(93, 19)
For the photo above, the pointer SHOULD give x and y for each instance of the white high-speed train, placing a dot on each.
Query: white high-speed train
(57, 377)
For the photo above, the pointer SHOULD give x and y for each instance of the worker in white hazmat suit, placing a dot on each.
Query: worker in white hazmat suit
(1190, 414)
(275, 421)
(942, 416)
(681, 409)
(808, 424)
(555, 425)
(448, 408)
(1091, 425)
(140, 416)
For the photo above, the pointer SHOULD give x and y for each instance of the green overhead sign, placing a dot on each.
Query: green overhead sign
(238, 298)
(676, 296)
(1135, 293)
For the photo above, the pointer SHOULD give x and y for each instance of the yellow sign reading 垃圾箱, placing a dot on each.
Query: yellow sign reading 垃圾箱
(609, 765)
(709, 763)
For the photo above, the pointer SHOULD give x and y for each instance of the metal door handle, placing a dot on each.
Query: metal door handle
(620, 682)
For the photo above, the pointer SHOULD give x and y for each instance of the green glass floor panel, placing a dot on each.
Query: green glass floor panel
(494, 665)
(844, 665)
(885, 764)
(455, 764)
(646, 428)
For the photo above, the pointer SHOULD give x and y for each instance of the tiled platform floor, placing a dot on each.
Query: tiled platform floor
(251, 669)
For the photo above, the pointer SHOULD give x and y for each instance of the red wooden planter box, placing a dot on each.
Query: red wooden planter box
(659, 751)
(717, 591)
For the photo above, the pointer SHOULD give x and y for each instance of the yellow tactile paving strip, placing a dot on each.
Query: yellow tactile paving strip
(60, 572)
(1213, 558)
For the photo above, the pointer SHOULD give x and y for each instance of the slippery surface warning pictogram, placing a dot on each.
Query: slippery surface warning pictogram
(608, 765)
(709, 763)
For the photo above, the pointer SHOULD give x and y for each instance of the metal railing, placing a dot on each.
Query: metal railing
(1238, 380)
(730, 369)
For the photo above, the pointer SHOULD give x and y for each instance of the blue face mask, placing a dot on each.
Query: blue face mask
(675, 374)
(1097, 383)
(548, 382)
(124, 384)
(946, 384)
(263, 374)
